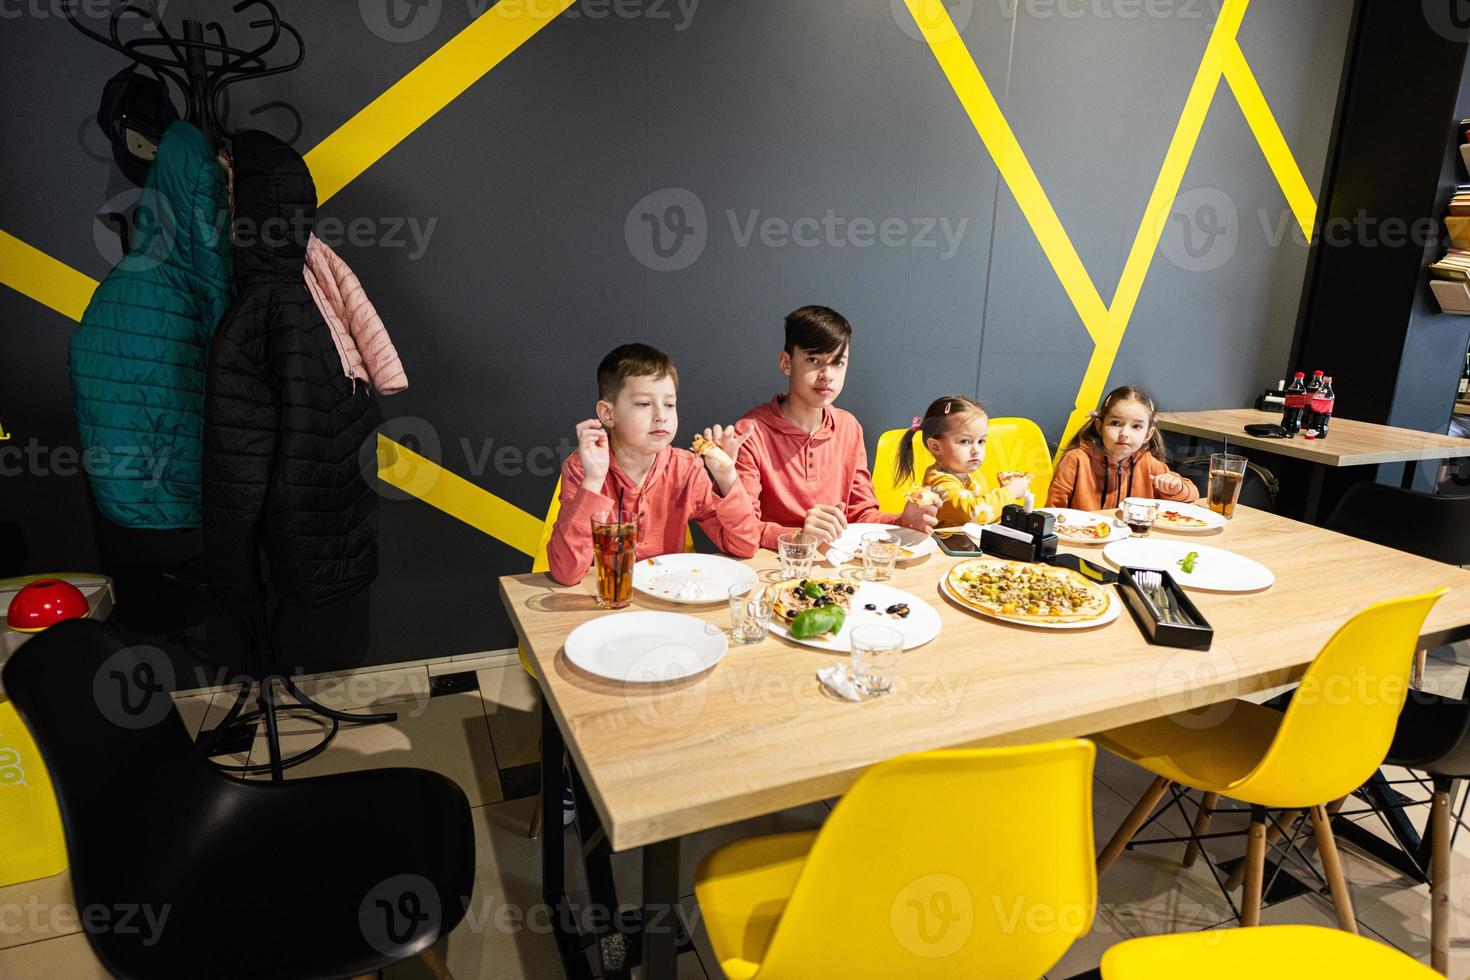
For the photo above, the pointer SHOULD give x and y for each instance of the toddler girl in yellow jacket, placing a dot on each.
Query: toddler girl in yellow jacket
(954, 430)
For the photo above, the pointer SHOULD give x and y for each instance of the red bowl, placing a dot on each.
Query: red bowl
(45, 602)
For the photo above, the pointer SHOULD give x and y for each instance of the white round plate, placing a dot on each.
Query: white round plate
(919, 627)
(917, 542)
(643, 647)
(1215, 569)
(691, 579)
(1213, 521)
(1083, 517)
(1115, 607)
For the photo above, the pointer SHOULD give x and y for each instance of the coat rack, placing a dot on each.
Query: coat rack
(203, 70)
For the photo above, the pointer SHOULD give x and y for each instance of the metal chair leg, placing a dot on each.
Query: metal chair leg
(1201, 824)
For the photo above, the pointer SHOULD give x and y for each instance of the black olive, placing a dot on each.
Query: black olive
(821, 601)
(903, 613)
(896, 607)
(869, 606)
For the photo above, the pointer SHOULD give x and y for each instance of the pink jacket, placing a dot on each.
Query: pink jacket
(357, 330)
(786, 470)
(678, 489)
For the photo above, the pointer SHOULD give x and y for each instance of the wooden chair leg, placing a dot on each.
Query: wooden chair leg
(1201, 824)
(433, 961)
(1439, 877)
(1130, 826)
(1275, 830)
(1255, 868)
(1332, 865)
(1416, 679)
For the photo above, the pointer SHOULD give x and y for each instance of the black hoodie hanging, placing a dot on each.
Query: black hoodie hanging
(284, 430)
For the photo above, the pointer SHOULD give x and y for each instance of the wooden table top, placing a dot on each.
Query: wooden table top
(1348, 443)
(757, 733)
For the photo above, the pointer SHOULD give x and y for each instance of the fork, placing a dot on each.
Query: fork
(1152, 584)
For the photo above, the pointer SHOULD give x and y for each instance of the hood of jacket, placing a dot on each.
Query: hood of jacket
(274, 209)
(770, 415)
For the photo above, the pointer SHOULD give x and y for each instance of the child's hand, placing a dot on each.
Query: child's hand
(730, 442)
(592, 450)
(826, 521)
(918, 516)
(1168, 484)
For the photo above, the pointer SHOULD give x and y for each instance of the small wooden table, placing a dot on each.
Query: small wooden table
(1348, 443)
(756, 734)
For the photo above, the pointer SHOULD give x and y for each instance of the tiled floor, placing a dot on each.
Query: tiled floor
(486, 740)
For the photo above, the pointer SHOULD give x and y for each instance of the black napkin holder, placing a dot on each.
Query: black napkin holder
(1193, 636)
(1021, 536)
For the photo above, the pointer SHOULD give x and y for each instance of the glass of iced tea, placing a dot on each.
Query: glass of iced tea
(1227, 474)
(614, 550)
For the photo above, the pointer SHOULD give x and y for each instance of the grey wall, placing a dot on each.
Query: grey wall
(777, 110)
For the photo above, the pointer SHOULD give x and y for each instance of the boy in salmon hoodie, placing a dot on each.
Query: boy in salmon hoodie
(803, 461)
(625, 454)
(1117, 454)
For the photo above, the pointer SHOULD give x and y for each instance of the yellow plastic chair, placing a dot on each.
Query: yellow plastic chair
(1331, 738)
(1013, 444)
(1270, 951)
(919, 871)
(30, 823)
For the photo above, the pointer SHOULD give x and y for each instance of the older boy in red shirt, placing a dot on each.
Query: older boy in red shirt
(803, 461)
(626, 454)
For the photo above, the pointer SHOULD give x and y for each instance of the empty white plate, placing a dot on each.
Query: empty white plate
(646, 647)
(690, 578)
(1214, 568)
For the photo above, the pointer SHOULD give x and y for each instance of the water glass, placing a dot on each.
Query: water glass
(875, 654)
(750, 612)
(1139, 513)
(797, 550)
(1227, 475)
(614, 550)
(880, 552)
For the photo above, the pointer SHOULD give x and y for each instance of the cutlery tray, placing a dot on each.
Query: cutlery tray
(1194, 636)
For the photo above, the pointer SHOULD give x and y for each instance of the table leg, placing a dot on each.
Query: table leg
(1314, 495)
(1411, 468)
(661, 910)
(553, 852)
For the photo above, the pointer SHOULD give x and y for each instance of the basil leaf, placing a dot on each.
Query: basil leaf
(813, 590)
(815, 622)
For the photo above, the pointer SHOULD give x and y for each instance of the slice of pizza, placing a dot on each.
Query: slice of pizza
(791, 598)
(1181, 520)
(703, 447)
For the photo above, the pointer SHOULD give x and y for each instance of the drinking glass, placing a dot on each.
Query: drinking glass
(750, 612)
(875, 654)
(1227, 475)
(1139, 513)
(880, 553)
(614, 549)
(796, 549)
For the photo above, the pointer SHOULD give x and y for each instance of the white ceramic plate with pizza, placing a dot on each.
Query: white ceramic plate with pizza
(919, 627)
(1186, 519)
(1076, 526)
(1213, 569)
(913, 544)
(1113, 610)
(691, 579)
(644, 647)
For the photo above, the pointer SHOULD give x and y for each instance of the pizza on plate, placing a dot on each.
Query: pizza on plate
(791, 598)
(1027, 593)
(1098, 531)
(1174, 518)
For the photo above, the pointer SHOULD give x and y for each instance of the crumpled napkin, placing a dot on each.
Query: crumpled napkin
(837, 680)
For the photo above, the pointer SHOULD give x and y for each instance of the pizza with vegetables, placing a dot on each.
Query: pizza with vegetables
(790, 599)
(1027, 593)
(1175, 519)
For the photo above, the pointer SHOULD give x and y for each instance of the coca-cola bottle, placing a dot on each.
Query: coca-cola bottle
(1296, 405)
(1321, 409)
(1313, 386)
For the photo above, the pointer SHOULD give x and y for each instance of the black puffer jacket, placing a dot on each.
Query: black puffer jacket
(286, 435)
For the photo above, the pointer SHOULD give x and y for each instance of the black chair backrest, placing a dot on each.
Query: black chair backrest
(1259, 490)
(119, 755)
(1425, 524)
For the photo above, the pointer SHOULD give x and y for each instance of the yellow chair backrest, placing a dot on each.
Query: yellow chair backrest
(1277, 951)
(1338, 727)
(956, 863)
(1013, 444)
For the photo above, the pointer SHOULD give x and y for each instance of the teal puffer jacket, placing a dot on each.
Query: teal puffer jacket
(137, 360)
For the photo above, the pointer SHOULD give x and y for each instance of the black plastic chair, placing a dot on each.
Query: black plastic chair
(181, 872)
(1433, 737)
(1424, 524)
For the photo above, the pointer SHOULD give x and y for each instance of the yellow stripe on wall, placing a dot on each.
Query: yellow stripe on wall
(50, 282)
(459, 498)
(412, 101)
(1269, 137)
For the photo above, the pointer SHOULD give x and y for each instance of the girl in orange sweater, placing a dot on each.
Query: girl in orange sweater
(1117, 454)
(954, 429)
